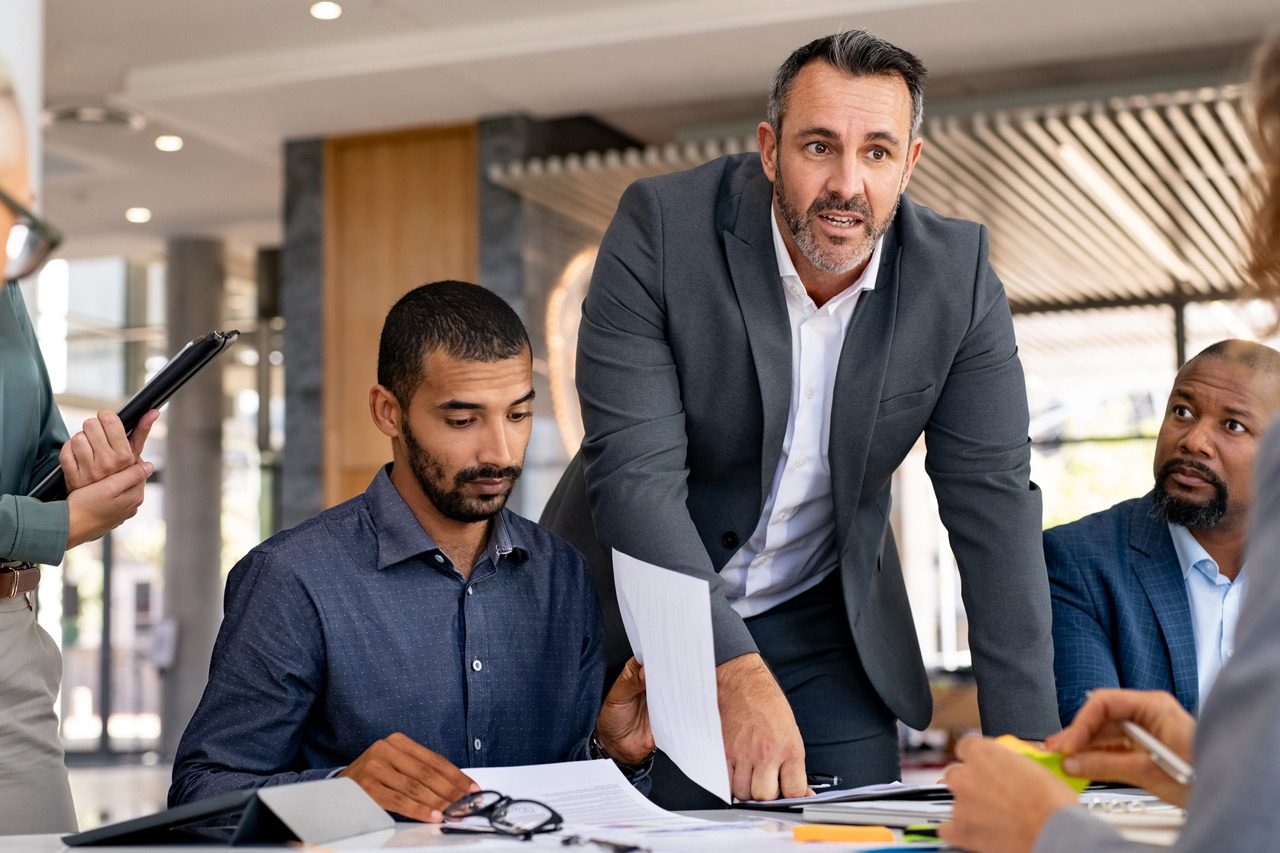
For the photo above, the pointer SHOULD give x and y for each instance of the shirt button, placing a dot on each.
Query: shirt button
(476, 744)
(477, 666)
(439, 558)
(801, 462)
(471, 590)
(808, 393)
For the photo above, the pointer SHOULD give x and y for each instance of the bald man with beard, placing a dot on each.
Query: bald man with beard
(1146, 593)
(105, 478)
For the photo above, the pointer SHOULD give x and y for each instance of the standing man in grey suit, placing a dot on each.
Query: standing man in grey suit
(764, 340)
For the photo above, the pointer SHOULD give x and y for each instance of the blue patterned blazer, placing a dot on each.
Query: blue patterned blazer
(1120, 612)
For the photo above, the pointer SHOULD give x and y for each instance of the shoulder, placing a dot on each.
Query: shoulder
(710, 191)
(300, 551)
(1106, 530)
(927, 236)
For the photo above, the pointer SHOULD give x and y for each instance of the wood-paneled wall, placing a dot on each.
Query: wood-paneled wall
(400, 210)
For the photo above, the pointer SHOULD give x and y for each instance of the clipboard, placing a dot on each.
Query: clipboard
(189, 361)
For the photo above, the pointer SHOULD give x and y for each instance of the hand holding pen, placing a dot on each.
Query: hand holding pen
(1098, 746)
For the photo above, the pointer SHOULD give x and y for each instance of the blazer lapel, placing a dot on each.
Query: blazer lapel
(1160, 574)
(860, 374)
(753, 268)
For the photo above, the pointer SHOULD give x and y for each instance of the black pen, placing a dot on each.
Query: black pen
(821, 781)
(615, 846)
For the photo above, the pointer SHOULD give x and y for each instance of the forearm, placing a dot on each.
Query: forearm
(196, 781)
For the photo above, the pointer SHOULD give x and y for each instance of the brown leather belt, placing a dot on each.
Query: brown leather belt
(18, 578)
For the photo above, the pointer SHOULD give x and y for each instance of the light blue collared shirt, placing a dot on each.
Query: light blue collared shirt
(1215, 606)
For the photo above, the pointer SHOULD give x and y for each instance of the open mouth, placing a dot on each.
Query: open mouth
(841, 220)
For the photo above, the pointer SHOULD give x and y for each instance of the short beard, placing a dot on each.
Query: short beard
(1189, 514)
(802, 230)
(453, 503)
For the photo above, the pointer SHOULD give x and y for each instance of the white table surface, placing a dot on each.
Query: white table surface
(404, 835)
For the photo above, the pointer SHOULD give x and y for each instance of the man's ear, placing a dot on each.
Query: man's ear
(385, 411)
(768, 150)
(913, 155)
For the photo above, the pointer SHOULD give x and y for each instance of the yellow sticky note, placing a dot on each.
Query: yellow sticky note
(1052, 761)
(835, 832)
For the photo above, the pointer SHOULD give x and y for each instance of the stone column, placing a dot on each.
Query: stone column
(302, 304)
(192, 479)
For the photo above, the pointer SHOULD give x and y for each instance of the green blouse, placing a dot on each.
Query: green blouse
(31, 434)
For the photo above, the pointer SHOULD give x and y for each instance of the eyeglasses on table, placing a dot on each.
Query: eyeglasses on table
(520, 818)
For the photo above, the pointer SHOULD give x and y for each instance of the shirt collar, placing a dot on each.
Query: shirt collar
(400, 537)
(791, 277)
(1192, 555)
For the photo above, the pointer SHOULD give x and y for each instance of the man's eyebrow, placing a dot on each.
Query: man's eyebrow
(818, 130)
(451, 405)
(1235, 412)
(884, 136)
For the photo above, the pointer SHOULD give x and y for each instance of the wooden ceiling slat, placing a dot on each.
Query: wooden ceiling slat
(1133, 201)
(1186, 245)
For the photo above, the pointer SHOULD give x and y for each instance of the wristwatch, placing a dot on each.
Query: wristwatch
(633, 772)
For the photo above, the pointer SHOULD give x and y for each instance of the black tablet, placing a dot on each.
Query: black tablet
(189, 361)
(192, 823)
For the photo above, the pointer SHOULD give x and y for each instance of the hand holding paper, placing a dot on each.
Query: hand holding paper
(668, 620)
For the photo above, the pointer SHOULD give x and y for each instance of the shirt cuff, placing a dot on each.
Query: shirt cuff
(39, 529)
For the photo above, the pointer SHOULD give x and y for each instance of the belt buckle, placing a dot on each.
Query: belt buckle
(14, 569)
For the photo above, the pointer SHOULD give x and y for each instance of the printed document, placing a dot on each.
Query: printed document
(668, 620)
(585, 793)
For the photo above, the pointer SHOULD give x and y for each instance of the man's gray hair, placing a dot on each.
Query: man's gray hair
(859, 54)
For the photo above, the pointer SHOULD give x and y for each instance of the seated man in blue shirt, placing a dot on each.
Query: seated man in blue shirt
(420, 627)
(1146, 593)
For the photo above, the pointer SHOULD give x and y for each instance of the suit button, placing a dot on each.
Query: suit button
(729, 539)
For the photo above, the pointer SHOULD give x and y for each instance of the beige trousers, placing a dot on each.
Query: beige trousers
(34, 794)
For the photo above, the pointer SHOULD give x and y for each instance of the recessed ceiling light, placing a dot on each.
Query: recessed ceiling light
(169, 142)
(138, 215)
(326, 10)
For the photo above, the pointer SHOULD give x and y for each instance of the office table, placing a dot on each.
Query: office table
(423, 835)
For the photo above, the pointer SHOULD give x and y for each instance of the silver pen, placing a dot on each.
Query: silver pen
(1164, 757)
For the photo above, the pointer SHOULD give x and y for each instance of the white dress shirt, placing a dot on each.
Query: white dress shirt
(794, 543)
(1215, 606)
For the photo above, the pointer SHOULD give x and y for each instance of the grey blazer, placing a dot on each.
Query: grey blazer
(1237, 750)
(684, 375)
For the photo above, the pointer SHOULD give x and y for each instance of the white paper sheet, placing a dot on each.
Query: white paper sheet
(668, 620)
(585, 793)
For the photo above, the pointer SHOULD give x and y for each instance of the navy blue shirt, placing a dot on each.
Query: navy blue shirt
(354, 625)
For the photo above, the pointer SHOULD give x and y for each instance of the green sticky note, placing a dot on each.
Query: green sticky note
(1051, 761)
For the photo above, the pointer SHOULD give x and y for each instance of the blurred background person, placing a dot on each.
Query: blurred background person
(105, 478)
(1005, 803)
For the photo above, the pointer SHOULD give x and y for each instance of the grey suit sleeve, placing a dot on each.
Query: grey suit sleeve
(635, 446)
(979, 459)
(1072, 830)
(1237, 752)
(1082, 659)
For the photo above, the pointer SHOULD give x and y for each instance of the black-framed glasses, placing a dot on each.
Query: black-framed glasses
(31, 241)
(521, 818)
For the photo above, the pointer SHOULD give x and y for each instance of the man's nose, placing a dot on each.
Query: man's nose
(1198, 439)
(845, 179)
